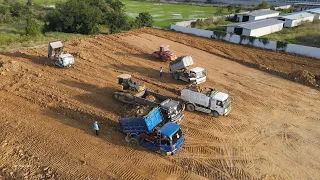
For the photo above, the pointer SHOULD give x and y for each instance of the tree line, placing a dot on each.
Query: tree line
(73, 16)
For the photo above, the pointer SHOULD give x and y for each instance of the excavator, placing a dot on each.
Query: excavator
(164, 53)
(130, 92)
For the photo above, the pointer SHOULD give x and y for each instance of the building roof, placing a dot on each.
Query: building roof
(298, 15)
(262, 12)
(124, 76)
(316, 10)
(256, 24)
(169, 129)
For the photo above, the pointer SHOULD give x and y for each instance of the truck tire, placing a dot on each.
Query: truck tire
(116, 96)
(190, 107)
(175, 76)
(134, 141)
(162, 153)
(215, 114)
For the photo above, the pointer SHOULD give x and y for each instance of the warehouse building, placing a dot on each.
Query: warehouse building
(256, 28)
(256, 15)
(306, 5)
(315, 12)
(295, 19)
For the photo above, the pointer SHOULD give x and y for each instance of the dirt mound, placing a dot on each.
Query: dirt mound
(10, 66)
(305, 77)
(134, 111)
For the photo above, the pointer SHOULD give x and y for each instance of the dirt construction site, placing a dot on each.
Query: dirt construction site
(47, 113)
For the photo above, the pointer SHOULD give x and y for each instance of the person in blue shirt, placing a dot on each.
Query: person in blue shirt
(96, 127)
(161, 71)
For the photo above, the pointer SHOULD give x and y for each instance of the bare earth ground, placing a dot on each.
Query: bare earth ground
(47, 114)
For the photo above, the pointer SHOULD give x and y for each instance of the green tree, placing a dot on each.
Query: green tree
(144, 20)
(239, 8)
(74, 16)
(263, 5)
(33, 27)
(230, 8)
(219, 11)
(29, 2)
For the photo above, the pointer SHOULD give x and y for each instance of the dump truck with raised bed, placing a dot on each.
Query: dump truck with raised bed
(178, 69)
(56, 53)
(146, 131)
(207, 100)
(164, 53)
(171, 110)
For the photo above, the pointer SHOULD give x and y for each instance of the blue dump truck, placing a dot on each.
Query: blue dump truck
(146, 131)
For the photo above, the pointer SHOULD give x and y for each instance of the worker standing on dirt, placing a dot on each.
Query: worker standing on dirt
(161, 71)
(96, 127)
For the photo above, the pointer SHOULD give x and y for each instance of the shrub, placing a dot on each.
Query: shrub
(281, 45)
(33, 27)
(144, 20)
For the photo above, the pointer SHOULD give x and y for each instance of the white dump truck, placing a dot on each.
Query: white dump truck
(60, 59)
(208, 100)
(178, 69)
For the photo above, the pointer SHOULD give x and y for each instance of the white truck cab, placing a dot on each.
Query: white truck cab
(178, 69)
(64, 60)
(198, 75)
(211, 101)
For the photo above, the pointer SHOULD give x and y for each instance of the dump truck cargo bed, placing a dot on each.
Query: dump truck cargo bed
(181, 63)
(139, 125)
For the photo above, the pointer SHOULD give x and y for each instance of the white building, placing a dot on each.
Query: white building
(315, 12)
(256, 28)
(256, 15)
(295, 19)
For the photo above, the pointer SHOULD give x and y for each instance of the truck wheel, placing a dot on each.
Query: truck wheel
(190, 107)
(215, 114)
(116, 96)
(134, 141)
(175, 76)
(162, 153)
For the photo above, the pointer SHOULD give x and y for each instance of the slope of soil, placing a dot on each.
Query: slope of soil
(47, 114)
(277, 63)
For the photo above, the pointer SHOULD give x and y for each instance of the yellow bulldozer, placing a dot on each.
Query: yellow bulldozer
(126, 85)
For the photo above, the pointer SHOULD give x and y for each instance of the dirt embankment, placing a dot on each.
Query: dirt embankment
(47, 113)
(301, 69)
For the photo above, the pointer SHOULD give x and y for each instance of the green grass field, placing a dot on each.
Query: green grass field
(165, 14)
(307, 34)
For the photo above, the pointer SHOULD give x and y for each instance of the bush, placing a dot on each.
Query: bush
(33, 27)
(74, 16)
(144, 20)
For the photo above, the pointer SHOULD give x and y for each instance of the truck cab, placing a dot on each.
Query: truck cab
(64, 60)
(221, 103)
(148, 132)
(172, 110)
(197, 75)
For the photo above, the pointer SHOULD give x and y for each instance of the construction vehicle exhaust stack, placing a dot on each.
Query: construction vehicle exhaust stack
(164, 53)
(60, 59)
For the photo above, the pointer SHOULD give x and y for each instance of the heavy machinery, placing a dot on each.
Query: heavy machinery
(56, 53)
(146, 131)
(164, 53)
(171, 110)
(206, 100)
(126, 85)
(178, 69)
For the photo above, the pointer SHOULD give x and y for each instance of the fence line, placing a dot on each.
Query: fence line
(251, 41)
